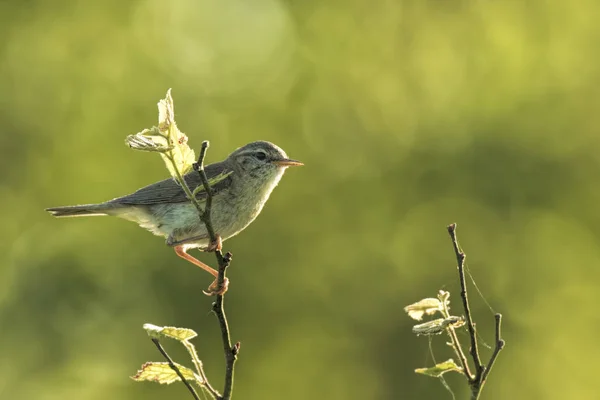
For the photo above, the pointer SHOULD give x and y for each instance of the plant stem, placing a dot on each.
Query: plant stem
(475, 382)
(174, 368)
(499, 346)
(230, 350)
(223, 261)
(200, 368)
(179, 178)
(456, 345)
(474, 349)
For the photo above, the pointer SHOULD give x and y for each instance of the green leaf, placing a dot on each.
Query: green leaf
(440, 369)
(162, 373)
(427, 306)
(183, 335)
(159, 332)
(180, 153)
(166, 139)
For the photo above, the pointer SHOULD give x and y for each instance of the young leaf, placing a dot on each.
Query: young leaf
(427, 306)
(180, 153)
(166, 139)
(440, 369)
(159, 332)
(162, 373)
(444, 296)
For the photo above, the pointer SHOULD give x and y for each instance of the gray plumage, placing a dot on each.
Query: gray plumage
(246, 178)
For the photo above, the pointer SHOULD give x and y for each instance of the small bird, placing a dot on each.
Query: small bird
(241, 186)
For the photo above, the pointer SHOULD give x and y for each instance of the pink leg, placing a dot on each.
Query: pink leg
(180, 251)
(213, 289)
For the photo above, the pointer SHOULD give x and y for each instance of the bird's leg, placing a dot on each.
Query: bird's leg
(214, 288)
(181, 252)
(216, 245)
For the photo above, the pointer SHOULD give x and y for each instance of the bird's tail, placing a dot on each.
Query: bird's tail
(85, 210)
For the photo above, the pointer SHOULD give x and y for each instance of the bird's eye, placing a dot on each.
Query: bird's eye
(261, 156)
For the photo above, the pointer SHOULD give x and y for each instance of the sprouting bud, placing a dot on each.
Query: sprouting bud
(427, 306)
(444, 296)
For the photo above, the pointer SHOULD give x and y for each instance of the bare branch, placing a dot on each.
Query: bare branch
(481, 371)
(474, 349)
(499, 346)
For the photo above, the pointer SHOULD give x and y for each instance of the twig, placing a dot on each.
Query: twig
(456, 345)
(174, 368)
(223, 261)
(200, 368)
(474, 350)
(475, 382)
(499, 346)
(185, 187)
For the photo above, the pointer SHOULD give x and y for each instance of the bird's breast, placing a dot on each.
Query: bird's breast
(242, 204)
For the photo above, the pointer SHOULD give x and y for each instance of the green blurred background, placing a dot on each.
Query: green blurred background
(409, 115)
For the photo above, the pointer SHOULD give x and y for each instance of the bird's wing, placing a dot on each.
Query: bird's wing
(168, 191)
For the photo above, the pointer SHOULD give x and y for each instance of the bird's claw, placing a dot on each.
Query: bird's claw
(216, 245)
(215, 290)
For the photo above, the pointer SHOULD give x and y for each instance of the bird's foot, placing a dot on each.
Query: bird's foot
(215, 290)
(215, 245)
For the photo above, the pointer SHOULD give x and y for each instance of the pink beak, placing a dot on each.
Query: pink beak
(286, 162)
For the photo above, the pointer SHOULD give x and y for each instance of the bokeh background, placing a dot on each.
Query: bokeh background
(409, 115)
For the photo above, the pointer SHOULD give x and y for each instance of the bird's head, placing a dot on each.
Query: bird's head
(261, 159)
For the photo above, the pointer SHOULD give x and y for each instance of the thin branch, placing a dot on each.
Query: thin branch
(174, 368)
(223, 261)
(499, 346)
(230, 351)
(205, 216)
(179, 178)
(456, 345)
(474, 350)
(482, 371)
(200, 368)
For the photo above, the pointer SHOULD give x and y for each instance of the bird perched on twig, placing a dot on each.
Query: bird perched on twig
(240, 185)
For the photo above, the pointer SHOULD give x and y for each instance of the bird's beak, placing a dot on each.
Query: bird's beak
(286, 162)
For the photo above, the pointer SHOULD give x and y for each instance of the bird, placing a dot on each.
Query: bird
(241, 185)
